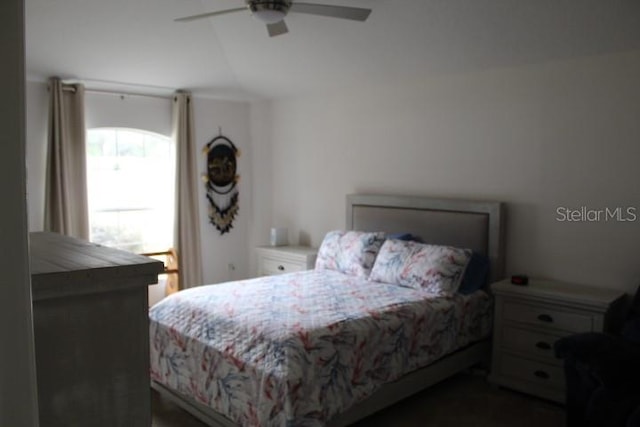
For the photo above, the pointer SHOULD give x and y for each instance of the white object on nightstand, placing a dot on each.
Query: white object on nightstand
(530, 319)
(279, 236)
(285, 259)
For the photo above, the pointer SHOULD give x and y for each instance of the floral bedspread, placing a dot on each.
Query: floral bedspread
(300, 348)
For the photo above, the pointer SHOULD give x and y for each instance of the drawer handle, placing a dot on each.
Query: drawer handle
(545, 318)
(541, 374)
(281, 267)
(543, 345)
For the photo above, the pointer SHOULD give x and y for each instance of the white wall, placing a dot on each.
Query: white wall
(261, 215)
(36, 142)
(129, 111)
(18, 393)
(218, 251)
(154, 114)
(537, 137)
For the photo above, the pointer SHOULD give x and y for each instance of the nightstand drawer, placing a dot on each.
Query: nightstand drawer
(285, 259)
(530, 319)
(532, 371)
(548, 317)
(530, 342)
(271, 266)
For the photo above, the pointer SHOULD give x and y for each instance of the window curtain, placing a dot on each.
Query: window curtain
(66, 209)
(187, 220)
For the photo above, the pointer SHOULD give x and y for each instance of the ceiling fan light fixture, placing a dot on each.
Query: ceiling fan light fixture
(269, 16)
(269, 11)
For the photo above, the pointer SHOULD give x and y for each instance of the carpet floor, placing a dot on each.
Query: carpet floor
(464, 400)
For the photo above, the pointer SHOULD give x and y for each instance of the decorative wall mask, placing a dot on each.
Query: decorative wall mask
(221, 182)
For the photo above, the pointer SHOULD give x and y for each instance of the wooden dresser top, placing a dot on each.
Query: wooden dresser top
(63, 266)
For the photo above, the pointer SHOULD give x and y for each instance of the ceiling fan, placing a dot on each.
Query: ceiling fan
(272, 13)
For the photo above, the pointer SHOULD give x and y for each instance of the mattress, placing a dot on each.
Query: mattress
(300, 348)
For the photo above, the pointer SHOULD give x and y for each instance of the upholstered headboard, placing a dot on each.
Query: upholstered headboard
(477, 225)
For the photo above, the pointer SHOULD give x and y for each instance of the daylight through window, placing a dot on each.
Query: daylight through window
(130, 178)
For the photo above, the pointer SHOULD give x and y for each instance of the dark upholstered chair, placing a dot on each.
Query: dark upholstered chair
(603, 375)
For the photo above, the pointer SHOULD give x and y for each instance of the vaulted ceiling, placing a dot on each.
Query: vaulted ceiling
(136, 43)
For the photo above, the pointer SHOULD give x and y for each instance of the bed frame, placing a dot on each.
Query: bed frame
(477, 225)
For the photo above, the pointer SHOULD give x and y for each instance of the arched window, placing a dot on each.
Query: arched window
(130, 184)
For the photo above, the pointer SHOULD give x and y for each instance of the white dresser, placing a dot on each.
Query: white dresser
(91, 332)
(285, 259)
(530, 319)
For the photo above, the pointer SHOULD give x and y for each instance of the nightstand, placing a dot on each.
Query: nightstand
(285, 259)
(530, 319)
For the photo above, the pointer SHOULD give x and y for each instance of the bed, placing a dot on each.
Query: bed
(321, 347)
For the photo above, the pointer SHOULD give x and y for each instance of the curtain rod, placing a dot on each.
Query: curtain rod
(108, 92)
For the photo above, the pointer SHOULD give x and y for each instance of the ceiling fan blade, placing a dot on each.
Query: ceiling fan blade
(277, 29)
(209, 14)
(344, 12)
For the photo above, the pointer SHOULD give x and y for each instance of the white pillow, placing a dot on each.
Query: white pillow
(350, 252)
(437, 269)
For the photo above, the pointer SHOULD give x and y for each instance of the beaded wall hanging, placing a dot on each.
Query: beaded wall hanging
(221, 182)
